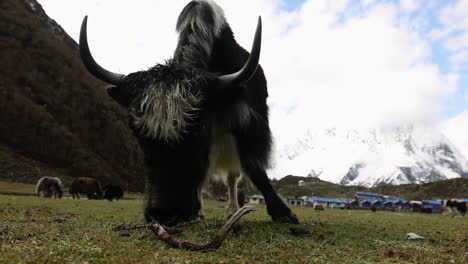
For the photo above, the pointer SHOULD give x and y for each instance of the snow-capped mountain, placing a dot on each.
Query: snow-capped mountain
(456, 129)
(412, 154)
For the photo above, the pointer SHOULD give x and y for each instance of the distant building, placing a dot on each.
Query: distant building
(328, 202)
(257, 199)
(367, 203)
(301, 183)
(415, 206)
(295, 201)
(435, 205)
(340, 203)
(393, 203)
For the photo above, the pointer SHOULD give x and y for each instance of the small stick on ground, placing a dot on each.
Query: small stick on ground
(171, 230)
(123, 227)
(162, 233)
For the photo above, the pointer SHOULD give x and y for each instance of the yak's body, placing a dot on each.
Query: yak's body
(198, 116)
(112, 191)
(49, 186)
(319, 207)
(456, 206)
(84, 185)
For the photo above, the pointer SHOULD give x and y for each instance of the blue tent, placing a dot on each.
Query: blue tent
(433, 204)
(321, 199)
(369, 194)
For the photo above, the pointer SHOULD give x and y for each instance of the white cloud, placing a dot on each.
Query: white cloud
(454, 28)
(410, 5)
(457, 42)
(330, 62)
(456, 130)
(459, 58)
(367, 3)
(371, 69)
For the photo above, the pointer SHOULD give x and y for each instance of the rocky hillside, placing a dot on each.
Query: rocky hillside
(55, 118)
(315, 187)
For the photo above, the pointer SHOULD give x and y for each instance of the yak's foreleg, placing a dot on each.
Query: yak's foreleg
(201, 214)
(233, 205)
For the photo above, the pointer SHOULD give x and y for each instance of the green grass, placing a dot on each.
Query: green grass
(17, 188)
(78, 231)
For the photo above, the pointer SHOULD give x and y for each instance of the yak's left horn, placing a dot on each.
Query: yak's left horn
(250, 67)
(92, 66)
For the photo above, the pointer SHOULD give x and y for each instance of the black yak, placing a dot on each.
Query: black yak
(49, 186)
(202, 113)
(456, 206)
(112, 191)
(85, 185)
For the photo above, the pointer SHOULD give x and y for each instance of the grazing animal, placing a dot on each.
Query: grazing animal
(88, 186)
(202, 113)
(49, 186)
(319, 207)
(112, 192)
(456, 206)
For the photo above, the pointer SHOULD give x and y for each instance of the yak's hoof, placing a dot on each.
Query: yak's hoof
(200, 217)
(288, 219)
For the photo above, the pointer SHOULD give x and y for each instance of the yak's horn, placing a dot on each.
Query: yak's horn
(92, 66)
(251, 65)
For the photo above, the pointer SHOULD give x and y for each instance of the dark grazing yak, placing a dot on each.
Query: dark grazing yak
(85, 185)
(49, 186)
(201, 114)
(112, 191)
(456, 206)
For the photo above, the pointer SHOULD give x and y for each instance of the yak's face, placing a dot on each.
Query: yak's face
(169, 113)
(59, 194)
(164, 102)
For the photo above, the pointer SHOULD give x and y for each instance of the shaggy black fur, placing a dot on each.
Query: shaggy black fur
(175, 107)
(456, 206)
(112, 191)
(253, 135)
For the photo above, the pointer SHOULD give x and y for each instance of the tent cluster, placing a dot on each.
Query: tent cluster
(361, 201)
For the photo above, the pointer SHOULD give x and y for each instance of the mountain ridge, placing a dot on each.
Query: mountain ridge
(444, 189)
(371, 157)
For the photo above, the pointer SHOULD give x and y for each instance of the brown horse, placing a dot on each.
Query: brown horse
(88, 186)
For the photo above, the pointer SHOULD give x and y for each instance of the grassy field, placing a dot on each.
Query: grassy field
(17, 188)
(80, 231)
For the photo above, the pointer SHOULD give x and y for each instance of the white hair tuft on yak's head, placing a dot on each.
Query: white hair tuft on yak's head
(199, 24)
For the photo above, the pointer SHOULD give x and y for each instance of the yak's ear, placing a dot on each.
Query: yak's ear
(119, 95)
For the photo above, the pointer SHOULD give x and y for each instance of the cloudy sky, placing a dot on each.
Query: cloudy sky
(328, 62)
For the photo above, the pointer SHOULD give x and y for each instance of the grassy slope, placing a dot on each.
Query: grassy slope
(435, 190)
(71, 231)
(17, 188)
